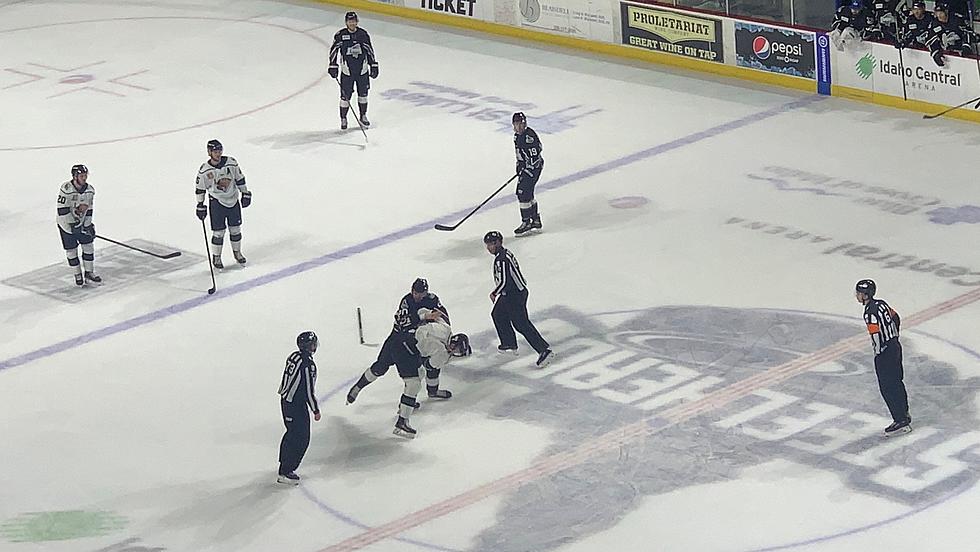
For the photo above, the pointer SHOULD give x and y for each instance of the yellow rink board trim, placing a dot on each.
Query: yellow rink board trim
(623, 51)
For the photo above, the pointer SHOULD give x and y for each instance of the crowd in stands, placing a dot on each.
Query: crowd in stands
(947, 29)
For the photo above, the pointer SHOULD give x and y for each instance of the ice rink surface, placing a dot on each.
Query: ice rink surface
(713, 389)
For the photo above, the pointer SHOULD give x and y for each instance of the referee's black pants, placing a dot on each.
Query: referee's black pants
(888, 368)
(296, 417)
(510, 313)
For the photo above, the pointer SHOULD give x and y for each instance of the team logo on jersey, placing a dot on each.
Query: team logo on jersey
(699, 391)
(760, 47)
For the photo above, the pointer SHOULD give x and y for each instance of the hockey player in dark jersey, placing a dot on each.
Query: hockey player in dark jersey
(527, 146)
(852, 23)
(401, 349)
(947, 34)
(915, 31)
(352, 58)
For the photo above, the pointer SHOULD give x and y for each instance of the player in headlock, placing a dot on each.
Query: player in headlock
(401, 349)
(438, 345)
(352, 59)
(527, 146)
(75, 199)
(221, 178)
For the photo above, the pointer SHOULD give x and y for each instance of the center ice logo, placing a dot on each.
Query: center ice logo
(760, 47)
(619, 368)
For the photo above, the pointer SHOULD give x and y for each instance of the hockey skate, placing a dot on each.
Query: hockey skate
(91, 277)
(79, 281)
(402, 429)
(352, 394)
(440, 394)
(240, 258)
(524, 228)
(343, 123)
(545, 358)
(536, 224)
(365, 121)
(216, 261)
(507, 350)
(288, 479)
(897, 428)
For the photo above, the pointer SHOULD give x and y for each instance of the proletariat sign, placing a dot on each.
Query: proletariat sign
(879, 69)
(672, 32)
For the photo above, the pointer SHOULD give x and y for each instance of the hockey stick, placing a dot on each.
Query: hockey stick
(356, 117)
(167, 256)
(485, 201)
(954, 108)
(207, 245)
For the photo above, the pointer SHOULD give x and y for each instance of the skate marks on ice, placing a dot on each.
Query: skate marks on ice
(829, 419)
(119, 267)
(306, 140)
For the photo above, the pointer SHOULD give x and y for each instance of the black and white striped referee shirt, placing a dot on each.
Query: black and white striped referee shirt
(507, 273)
(883, 323)
(299, 379)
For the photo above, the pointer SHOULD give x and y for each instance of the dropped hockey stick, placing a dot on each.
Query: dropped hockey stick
(207, 245)
(485, 201)
(954, 108)
(356, 117)
(167, 256)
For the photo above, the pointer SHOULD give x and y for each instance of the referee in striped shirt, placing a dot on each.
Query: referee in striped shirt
(883, 324)
(298, 397)
(509, 298)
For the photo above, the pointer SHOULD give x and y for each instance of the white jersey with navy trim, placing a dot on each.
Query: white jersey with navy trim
(433, 341)
(222, 182)
(69, 200)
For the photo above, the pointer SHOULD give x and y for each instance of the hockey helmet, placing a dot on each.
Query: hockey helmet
(459, 345)
(420, 285)
(214, 145)
(350, 15)
(493, 236)
(866, 286)
(919, 4)
(856, 5)
(941, 7)
(307, 342)
(78, 169)
(519, 117)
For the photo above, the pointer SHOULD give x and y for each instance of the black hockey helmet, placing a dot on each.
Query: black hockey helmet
(941, 7)
(519, 117)
(78, 169)
(350, 15)
(214, 145)
(919, 4)
(420, 285)
(459, 345)
(866, 286)
(307, 342)
(493, 236)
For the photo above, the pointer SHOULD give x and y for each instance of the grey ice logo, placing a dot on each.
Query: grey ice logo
(554, 122)
(609, 376)
(969, 214)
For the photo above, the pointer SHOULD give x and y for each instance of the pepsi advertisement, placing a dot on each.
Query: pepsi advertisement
(775, 49)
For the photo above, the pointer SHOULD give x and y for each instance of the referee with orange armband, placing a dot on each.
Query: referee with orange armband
(883, 324)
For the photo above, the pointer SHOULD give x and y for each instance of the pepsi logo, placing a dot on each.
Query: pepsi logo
(760, 47)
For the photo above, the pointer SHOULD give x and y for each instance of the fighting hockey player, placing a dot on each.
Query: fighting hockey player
(222, 180)
(75, 200)
(530, 163)
(352, 59)
(438, 345)
(401, 349)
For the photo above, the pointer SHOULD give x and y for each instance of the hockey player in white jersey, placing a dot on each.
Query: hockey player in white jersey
(438, 345)
(75, 199)
(222, 180)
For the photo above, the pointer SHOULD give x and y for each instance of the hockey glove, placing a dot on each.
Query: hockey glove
(76, 230)
(937, 56)
(202, 211)
(374, 70)
(333, 71)
(246, 199)
(89, 230)
(519, 169)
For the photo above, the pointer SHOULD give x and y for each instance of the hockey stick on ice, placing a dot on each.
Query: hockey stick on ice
(356, 117)
(954, 108)
(485, 201)
(207, 245)
(167, 256)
